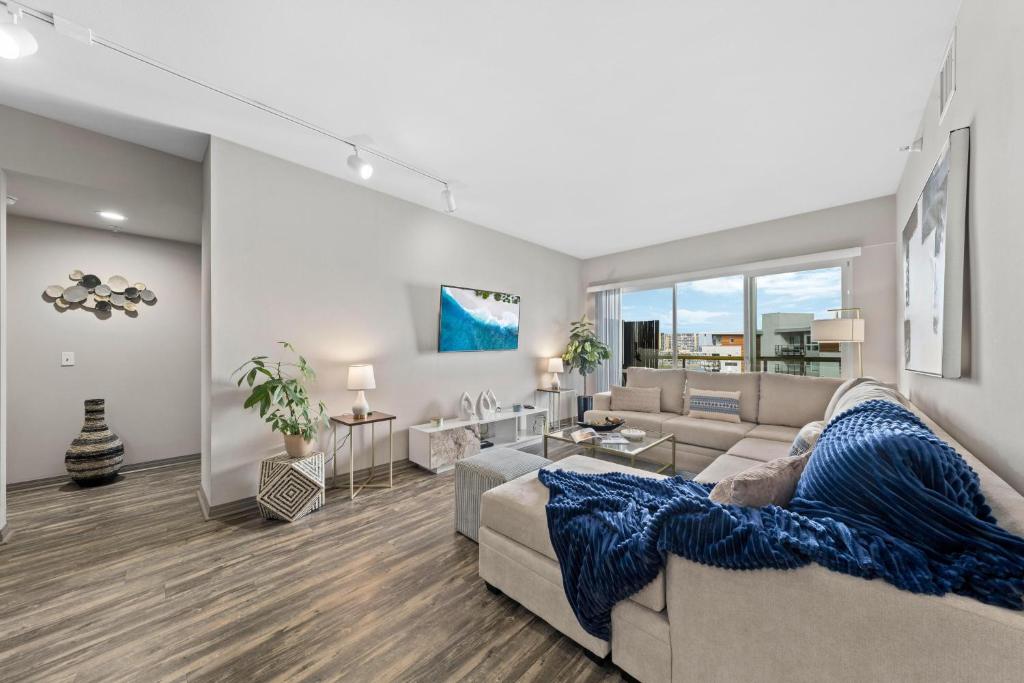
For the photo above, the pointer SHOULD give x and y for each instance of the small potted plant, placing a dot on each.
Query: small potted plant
(279, 393)
(584, 353)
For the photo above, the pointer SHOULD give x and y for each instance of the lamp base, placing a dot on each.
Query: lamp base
(555, 382)
(361, 407)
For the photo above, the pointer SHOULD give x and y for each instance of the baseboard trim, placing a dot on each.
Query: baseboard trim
(5, 533)
(235, 507)
(134, 467)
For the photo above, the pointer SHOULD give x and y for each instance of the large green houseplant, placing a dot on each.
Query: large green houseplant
(279, 394)
(584, 353)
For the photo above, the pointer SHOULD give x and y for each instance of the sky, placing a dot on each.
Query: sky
(716, 305)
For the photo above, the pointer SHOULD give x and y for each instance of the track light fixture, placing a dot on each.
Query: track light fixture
(16, 41)
(361, 166)
(449, 199)
(11, 200)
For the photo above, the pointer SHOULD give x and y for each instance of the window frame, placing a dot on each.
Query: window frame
(749, 274)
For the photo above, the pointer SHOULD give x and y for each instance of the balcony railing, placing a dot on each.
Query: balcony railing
(784, 364)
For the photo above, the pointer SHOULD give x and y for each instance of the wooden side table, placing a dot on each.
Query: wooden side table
(351, 421)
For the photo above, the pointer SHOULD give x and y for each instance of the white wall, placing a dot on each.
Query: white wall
(147, 368)
(352, 275)
(866, 224)
(982, 410)
(3, 353)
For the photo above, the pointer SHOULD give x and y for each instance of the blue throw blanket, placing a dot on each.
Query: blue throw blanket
(882, 497)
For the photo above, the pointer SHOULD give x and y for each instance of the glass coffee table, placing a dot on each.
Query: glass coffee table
(630, 449)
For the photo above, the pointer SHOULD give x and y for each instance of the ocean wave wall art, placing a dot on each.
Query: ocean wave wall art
(478, 320)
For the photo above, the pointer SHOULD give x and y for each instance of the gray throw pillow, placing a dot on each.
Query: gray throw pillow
(637, 399)
(769, 483)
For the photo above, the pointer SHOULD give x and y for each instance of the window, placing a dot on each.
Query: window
(786, 305)
(735, 323)
(709, 324)
(647, 328)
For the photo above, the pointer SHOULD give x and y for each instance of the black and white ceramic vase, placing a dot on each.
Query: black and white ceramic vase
(95, 457)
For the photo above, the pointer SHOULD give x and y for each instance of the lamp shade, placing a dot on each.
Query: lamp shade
(360, 377)
(838, 330)
(555, 365)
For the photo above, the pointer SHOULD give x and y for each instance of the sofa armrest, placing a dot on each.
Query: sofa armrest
(603, 401)
(813, 624)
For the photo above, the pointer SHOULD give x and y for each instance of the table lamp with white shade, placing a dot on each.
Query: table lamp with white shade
(555, 366)
(360, 378)
(841, 330)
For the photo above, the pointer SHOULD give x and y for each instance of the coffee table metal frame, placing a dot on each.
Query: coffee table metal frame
(630, 450)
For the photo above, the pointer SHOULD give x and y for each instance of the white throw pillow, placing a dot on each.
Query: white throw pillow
(637, 399)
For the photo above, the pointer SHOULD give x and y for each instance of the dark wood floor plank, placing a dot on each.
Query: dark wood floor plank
(127, 582)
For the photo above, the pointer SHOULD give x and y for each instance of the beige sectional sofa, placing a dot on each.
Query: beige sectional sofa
(773, 408)
(699, 623)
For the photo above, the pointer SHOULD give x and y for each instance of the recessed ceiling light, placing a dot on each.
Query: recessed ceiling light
(110, 215)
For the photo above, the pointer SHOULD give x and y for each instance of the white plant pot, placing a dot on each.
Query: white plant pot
(296, 446)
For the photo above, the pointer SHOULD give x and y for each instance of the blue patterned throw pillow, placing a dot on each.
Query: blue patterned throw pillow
(714, 405)
(807, 438)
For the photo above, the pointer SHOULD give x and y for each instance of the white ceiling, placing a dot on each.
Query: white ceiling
(589, 127)
(151, 214)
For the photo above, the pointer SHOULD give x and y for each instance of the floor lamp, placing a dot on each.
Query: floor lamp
(841, 330)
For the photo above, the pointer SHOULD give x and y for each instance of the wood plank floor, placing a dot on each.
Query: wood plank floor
(127, 582)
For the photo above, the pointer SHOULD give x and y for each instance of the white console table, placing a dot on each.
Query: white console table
(437, 448)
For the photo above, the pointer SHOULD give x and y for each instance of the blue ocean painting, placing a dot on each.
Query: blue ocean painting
(478, 320)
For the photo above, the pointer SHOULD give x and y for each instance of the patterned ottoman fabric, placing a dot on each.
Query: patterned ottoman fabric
(482, 472)
(291, 487)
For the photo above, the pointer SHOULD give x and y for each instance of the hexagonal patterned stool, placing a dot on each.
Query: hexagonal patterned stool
(291, 487)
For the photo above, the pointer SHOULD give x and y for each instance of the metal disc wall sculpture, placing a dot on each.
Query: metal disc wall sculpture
(89, 293)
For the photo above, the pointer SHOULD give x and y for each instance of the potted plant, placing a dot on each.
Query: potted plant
(279, 393)
(584, 353)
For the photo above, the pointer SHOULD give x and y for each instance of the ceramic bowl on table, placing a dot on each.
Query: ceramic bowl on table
(633, 434)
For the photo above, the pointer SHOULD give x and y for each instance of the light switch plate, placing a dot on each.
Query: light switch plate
(67, 359)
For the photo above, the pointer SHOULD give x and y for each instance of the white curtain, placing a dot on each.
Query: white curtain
(608, 311)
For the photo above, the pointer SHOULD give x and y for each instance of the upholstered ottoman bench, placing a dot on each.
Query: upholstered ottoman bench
(481, 472)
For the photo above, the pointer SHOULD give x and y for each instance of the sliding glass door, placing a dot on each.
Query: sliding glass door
(709, 324)
(734, 323)
(786, 303)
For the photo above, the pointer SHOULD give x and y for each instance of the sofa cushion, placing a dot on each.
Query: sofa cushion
(770, 483)
(762, 450)
(516, 510)
(747, 383)
(866, 390)
(706, 433)
(637, 399)
(670, 381)
(724, 466)
(774, 432)
(651, 422)
(792, 400)
(714, 405)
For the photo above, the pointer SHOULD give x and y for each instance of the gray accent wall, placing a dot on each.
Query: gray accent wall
(147, 368)
(982, 409)
(864, 224)
(3, 354)
(351, 275)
